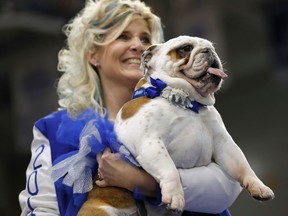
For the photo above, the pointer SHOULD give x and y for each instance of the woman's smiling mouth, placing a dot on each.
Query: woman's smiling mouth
(133, 61)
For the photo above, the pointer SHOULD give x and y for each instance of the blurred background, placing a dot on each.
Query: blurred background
(251, 38)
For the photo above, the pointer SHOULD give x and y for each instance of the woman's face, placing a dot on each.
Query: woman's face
(119, 61)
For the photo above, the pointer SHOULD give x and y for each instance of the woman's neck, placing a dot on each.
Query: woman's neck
(115, 97)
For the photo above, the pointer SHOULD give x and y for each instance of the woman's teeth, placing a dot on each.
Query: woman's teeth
(133, 61)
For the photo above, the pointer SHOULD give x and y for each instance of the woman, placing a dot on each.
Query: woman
(101, 67)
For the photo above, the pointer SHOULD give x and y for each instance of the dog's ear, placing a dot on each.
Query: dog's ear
(146, 57)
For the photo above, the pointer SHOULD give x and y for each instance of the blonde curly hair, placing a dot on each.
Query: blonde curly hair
(79, 87)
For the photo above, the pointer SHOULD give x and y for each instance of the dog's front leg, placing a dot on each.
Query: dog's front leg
(155, 159)
(230, 157)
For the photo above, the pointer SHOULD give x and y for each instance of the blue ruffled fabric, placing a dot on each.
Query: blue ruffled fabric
(73, 172)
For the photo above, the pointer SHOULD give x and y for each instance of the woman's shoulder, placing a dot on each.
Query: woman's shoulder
(51, 121)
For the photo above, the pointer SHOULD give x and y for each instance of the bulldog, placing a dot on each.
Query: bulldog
(171, 122)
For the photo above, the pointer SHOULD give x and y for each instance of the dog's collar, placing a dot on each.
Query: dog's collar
(176, 96)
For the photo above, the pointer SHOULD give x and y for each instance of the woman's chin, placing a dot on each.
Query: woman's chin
(136, 77)
(135, 74)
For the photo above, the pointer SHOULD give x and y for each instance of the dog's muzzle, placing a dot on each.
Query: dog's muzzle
(204, 71)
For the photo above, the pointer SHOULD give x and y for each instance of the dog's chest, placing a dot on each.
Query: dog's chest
(185, 134)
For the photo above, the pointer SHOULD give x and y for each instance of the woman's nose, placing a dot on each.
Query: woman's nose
(137, 45)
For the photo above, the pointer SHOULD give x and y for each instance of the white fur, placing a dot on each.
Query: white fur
(164, 137)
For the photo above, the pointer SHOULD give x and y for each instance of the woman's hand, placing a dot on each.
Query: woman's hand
(120, 173)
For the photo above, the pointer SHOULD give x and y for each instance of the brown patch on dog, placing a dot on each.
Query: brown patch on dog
(174, 55)
(130, 108)
(140, 83)
(108, 196)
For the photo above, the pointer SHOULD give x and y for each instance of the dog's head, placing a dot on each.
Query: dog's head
(186, 62)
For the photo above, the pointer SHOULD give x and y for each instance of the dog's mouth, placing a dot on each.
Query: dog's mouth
(212, 74)
(207, 78)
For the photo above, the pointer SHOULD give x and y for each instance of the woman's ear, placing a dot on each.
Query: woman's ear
(92, 57)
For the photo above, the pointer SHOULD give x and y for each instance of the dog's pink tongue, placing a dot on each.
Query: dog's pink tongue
(217, 72)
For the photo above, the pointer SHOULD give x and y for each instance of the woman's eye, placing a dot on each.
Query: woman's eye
(123, 37)
(146, 40)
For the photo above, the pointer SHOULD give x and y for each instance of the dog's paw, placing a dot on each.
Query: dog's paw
(263, 193)
(174, 202)
(257, 189)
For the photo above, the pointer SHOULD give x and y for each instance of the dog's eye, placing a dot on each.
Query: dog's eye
(185, 50)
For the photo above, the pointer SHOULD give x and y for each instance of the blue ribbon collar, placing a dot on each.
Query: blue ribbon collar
(156, 89)
(152, 91)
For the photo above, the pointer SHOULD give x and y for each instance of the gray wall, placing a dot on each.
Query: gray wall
(250, 37)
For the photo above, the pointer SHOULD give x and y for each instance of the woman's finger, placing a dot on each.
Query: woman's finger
(98, 157)
(107, 151)
(101, 183)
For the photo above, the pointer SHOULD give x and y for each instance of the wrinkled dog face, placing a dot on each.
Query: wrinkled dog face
(191, 58)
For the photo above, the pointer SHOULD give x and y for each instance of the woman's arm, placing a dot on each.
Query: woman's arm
(39, 196)
(207, 189)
